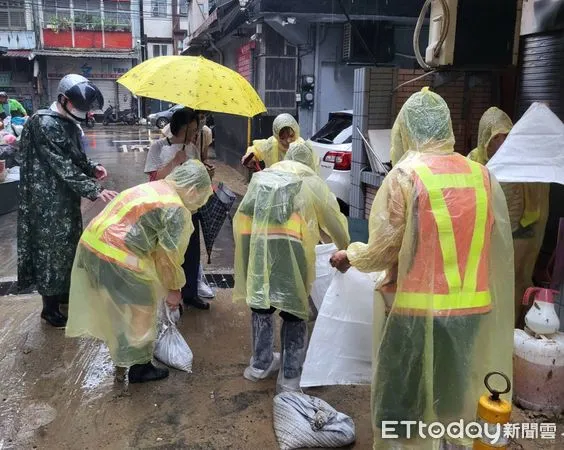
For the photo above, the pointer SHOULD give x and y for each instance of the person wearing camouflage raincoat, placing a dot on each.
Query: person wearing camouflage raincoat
(54, 175)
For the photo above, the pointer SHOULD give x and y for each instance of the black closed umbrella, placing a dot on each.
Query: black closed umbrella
(214, 213)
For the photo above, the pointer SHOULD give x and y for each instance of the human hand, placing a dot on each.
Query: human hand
(210, 169)
(100, 172)
(248, 160)
(107, 196)
(173, 300)
(340, 261)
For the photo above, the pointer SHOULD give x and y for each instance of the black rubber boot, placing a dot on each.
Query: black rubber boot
(51, 313)
(63, 299)
(141, 373)
(196, 302)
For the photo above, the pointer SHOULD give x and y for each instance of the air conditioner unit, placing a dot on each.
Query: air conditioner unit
(378, 36)
(471, 33)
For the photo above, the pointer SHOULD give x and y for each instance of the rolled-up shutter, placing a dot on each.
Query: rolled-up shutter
(541, 69)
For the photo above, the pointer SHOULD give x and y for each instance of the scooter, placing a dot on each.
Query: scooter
(126, 116)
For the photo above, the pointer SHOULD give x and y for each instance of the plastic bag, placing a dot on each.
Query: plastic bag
(171, 348)
(340, 349)
(301, 420)
(323, 272)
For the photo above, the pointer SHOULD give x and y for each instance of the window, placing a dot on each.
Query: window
(12, 14)
(183, 7)
(160, 50)
(158, 8)
(337, 131)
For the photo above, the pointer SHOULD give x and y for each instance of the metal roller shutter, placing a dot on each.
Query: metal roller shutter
(107, 87)
(541, 69)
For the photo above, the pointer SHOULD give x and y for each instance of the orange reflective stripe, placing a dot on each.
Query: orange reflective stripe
(293, 227)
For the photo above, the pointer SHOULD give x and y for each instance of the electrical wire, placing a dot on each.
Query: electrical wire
(445, 25)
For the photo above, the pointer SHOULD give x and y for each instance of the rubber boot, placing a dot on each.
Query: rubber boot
(264, 363)
(64, 304)
(294, 347)
(142, 373)
(51, 313)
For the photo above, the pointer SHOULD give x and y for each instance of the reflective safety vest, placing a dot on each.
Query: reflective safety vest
(448, 274)
(105, 235)
(292, 229)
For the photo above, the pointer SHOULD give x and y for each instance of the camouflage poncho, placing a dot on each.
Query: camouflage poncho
(54, 175)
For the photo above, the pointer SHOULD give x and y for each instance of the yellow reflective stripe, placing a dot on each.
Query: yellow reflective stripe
(443, 220)
(479, 234)
(114, 253)
(438, 302)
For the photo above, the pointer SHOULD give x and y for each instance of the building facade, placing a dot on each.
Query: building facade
(18, 66)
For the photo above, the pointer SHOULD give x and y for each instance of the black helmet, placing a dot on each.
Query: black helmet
(83, 95)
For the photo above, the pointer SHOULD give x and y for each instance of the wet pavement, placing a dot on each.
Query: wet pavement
(122, 151)
(58, 393)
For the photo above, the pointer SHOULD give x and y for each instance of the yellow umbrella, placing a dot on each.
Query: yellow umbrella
(194, 82)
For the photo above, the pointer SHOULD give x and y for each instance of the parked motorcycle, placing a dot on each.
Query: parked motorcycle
(126, 116)
(90, 121)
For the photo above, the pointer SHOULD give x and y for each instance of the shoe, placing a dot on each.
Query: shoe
(51, 313)
(253, 374)
(293, 337)
(141, 373)
(196, 302)
(264, 363)
(204, 289)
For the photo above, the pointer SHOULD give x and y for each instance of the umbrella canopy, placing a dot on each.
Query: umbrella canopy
(533, 151)
(214, 213)
(195, 82)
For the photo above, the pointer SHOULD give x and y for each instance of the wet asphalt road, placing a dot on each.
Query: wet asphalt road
(122, 150)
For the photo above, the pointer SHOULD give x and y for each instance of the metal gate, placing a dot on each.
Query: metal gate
(541, 69)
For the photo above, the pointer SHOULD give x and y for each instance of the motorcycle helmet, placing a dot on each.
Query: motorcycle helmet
(78, 96)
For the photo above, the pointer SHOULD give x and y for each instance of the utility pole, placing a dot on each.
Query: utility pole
(143, 40)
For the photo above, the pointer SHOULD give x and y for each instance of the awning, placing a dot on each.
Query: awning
(26, 54)
(207, 23)
(87, 54)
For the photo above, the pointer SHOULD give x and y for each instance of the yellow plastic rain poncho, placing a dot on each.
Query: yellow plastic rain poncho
(129, 257)
(528, 205)
(269, 150)
(276, 229)
(439, 229)
(303, 152)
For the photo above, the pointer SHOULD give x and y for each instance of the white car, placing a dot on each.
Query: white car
(333, 145)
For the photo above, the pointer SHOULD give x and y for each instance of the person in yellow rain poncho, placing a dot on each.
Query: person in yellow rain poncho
(439, 228)
(285, 130)
(129, 259)
(528, 205)
(276, 229)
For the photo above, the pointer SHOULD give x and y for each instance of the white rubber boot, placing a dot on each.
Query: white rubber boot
(264, 363)
(294, 348)
(204, 289)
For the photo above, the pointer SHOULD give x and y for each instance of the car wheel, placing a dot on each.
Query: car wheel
(162, 122)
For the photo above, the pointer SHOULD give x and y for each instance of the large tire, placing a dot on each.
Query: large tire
(162, 122)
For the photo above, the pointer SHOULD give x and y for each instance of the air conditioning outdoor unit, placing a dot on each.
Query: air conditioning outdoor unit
(469, 33)
(378, 36)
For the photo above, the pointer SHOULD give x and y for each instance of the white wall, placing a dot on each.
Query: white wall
(157, 27)
(197, 14)
(332, 75)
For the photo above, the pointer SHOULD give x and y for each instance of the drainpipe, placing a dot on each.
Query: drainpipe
(219, 52)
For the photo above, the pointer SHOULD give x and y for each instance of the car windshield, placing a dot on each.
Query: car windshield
(337, 131)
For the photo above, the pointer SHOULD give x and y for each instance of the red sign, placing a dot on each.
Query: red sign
(245, 60)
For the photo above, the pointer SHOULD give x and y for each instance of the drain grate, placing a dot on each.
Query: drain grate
(221, 280)
(215, 280)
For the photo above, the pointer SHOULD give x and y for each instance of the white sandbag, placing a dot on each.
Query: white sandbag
(323, 272)
(171, 348)
(340, 349)
(301, 420)
(533, 150)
